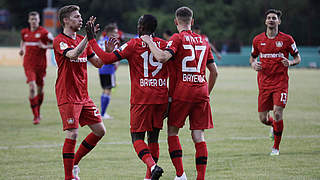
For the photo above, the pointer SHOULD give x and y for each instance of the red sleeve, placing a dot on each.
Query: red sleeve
(60, 46)
(292, 47)
(47, 36)
(173, 44)
(210, 55)
(254, 50)
(22, 34)
(125, 50)
(106, 58)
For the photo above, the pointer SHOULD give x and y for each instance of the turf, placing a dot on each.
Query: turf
(238, 145)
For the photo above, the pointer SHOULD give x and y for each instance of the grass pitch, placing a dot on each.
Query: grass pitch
(238, 145)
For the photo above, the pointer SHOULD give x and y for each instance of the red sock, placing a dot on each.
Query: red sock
(40, 100)
(86, 146)
(143, 152)
(154, 150)
(68, 157)
(269, 121)
(34, 103)
(201, 159)
(175, 151)
(277, 131)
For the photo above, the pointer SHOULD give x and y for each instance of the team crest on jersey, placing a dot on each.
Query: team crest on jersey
(279, 43)
(70, 121)
(63, 46)
(26, 35)
(37, 35)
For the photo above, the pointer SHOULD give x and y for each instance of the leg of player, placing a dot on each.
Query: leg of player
(266, 118)
(105, 100)
(175, 151)
(201, 153)
(277, 128)
(98, 131)
(40, 97)
(68, 152)
(144, 154)
(153, 145)
(34, 101)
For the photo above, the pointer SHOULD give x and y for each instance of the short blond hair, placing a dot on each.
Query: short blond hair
(184, 14)
(65, 12)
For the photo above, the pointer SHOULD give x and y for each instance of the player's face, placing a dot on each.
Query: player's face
(74, 22)
(113, 33)
(34, 21)
(272, 20)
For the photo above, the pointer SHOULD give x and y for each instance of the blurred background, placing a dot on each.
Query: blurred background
(229, 24)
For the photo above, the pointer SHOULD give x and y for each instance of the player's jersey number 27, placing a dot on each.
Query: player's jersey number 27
(194, 51)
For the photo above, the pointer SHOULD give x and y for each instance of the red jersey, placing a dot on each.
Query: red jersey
(273, 74)
(191, 53)
(148, 76)
(35, 56)
(71, 84)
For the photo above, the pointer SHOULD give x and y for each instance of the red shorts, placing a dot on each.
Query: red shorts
(268, 98)
(35, 74)
(200, 116)
(145, 117)
(73, 114)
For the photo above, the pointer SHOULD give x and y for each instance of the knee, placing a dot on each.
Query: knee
(72, 134)
(263, 119)
(197, 136)
(100, 132)
(277, 115)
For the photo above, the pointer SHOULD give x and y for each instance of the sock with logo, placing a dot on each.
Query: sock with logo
(201, 159)
(86, 146)
(175, 152)
(68, 157)
(143, 153)
(277, 131)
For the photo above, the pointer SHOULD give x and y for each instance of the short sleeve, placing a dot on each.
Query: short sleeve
(22, 34)
(292, 47)
(60, 46)
(254, 50)
(173, 44)
(124, 51)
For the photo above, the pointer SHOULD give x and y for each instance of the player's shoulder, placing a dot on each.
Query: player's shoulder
(260, 36)
(80, 36)
(42, 29)
(284, 36)
(24, 30)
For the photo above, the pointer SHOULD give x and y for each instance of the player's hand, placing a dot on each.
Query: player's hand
(111, 44)
(146, 38)
(256, 66)
(42, 46)
(92, 29)
(21, 52)
(285, 62)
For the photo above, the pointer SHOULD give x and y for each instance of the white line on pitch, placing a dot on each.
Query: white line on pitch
(161, 141)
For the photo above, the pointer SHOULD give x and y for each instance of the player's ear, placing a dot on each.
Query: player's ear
(176, 21)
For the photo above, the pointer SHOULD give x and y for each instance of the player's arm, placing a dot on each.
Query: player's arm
(215, 50)
(211, 65)
(21, 52)
(76, 52)
(296, 60)
(254, 63)
(161, 55)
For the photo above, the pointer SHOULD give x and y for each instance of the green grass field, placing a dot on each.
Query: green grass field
(238, 145)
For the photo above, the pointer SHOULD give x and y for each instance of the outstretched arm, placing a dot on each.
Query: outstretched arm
(160, 55)
(212, 76)
(215, 50)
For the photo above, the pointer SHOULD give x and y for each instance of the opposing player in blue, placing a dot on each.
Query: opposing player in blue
(107, 72)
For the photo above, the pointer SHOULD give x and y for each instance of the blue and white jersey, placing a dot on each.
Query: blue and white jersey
(108, 68)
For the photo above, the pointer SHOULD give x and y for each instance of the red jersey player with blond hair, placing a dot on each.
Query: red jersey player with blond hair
(273, 48)
(75, 106)
(149, 92)
(189, 55)
(35, 41)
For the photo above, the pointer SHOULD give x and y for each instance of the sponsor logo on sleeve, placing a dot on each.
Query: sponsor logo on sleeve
(294, 47)
(123, 47)
(63, 45)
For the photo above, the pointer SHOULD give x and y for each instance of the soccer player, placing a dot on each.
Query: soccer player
(107, 72)
(197, 29)
(190, 55)
(273, 47)
(35, 40)
(76, 107)
(149, 93)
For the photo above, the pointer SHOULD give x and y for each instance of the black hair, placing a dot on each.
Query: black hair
(277, 12)
(168, 32)
(148, 23)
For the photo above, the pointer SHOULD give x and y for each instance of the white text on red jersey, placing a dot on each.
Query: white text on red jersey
(153, 82)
